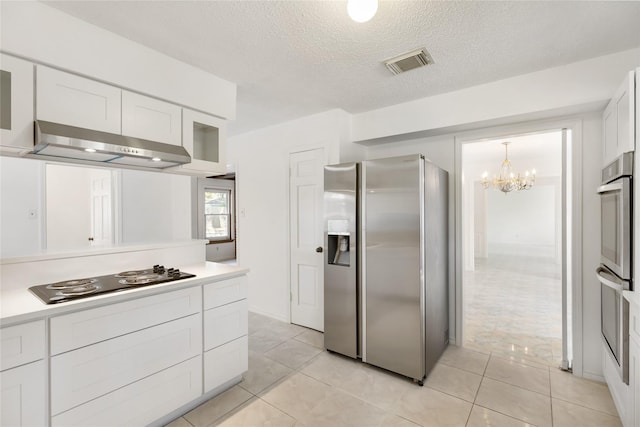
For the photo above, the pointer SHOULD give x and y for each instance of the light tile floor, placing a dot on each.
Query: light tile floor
(292, 381)
(513, 307)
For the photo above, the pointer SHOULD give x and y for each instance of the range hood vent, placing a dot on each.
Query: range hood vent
(57, 140)
(408, 61)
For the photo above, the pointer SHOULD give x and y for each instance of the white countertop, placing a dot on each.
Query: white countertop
(632, 296)
(19, 305)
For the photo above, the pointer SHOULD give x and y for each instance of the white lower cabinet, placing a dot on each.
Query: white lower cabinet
(226, 362)
(225, 331)
(125, 364)
(23, 396)
(89, 372)
(142, 402)
(23, 392)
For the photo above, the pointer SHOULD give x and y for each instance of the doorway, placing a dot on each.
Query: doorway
(79, 207)
(516, 293)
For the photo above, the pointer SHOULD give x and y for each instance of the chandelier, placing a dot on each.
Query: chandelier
(507, 180)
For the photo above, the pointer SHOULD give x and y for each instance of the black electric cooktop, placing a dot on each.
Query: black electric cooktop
(70, 290)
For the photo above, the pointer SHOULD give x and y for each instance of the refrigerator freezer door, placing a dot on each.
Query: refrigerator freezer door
(393, 302)
(341, 292)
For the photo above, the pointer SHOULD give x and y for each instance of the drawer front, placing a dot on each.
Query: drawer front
(225, 363)
(152, 119)
(72, 100)
(23, 396)
(84, 374)
(224, 324)
(91, 326)
(225, 291)
(21, 344)
(142, 402)
(634, 322)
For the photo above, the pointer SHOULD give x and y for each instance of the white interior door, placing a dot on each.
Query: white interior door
(306, 191)
(101, 232)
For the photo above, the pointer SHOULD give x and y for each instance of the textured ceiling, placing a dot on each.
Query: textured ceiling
(294, 58)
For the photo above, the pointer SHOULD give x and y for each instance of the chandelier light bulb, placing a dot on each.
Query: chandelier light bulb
(362, 10)
(507, 180)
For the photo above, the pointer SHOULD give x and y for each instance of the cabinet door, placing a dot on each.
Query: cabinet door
(16, 109)
(226, 362)
(619, 121)
(610, 136)
(23, 396)
(21, 344)
(142, 402)
(148, 118)
(224, 324)
(72, 100)
(204, 138)
(89, 372)
(79, 329)
(225, 292)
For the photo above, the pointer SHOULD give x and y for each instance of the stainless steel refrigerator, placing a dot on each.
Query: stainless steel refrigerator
(386, 263)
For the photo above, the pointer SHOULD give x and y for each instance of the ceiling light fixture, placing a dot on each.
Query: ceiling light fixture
(156, 159)
(507, 181)
(362, 10)
(90, 150)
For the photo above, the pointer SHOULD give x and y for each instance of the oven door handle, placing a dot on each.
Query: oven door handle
(610, 280)
(610, 187)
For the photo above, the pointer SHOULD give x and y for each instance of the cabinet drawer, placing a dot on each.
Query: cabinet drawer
(23, 396)
(90, 326)
(225, 363)
(142, 402)
(634, 322)
(152, 119)
(84, 374)
(72, 100)
(21, 344)
(225, 291)
(224, 324)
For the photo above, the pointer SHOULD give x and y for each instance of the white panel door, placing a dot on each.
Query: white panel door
(101, 232)
(23, 396)
(306, 186)
(72, 100)
(152, 119)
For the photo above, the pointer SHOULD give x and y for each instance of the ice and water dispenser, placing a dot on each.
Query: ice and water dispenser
(338, 243)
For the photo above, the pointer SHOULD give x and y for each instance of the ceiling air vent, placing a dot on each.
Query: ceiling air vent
(408, 61)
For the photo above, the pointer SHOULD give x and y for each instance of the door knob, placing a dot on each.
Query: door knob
(319, 249)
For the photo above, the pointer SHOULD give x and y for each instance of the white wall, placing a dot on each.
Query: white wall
(523, 222)
(43, 34)
(20, 193)
(155, 207)
(262, 179)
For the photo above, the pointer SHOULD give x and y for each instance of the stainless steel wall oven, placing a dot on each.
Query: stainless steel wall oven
(615, 271)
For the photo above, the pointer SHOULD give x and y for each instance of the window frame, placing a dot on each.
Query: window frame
(212, 184)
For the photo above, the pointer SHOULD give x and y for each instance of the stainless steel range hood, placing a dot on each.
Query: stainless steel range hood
(57, 140)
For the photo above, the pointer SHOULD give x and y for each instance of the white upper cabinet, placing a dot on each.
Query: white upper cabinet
(204, 138)
(152, 119)
(16, 108)
(72, 100)
(619, 121)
